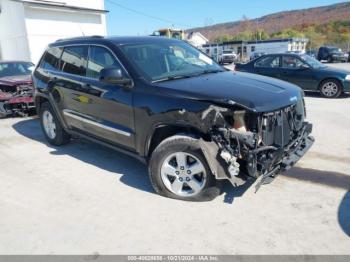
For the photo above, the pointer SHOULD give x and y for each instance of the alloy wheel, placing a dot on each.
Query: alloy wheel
(329, 89)
(49, 124)
(183, 174)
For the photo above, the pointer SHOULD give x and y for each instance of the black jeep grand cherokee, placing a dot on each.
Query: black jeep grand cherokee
(171, 106)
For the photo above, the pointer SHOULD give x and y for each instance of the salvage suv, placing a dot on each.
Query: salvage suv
(169, 105)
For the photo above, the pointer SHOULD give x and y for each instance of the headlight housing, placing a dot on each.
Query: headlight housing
(347, 77)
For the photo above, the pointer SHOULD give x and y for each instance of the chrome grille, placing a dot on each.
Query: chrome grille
(280, 127)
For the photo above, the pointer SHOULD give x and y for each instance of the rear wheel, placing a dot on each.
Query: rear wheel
(52, 128)
(330, 88)
(179, 170)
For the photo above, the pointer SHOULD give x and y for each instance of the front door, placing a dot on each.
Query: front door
(295, 71)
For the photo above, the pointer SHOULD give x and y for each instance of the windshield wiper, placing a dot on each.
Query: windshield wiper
(213, 71)
(169, 78)
(208, 71)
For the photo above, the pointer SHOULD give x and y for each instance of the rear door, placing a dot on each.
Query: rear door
(100, 109)
(268, 66)
(67, 83)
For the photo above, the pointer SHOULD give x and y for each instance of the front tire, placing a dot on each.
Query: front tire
(179, 170)
(51, 126)
(330, 88)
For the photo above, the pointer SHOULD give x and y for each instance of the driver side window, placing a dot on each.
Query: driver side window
(291, 62)
(100, 58)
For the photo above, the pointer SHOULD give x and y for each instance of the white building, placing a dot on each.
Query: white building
(196, 39)
(246, 48)
(277, 46)
(28, 26)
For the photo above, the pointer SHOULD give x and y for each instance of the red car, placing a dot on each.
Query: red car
(16, 88)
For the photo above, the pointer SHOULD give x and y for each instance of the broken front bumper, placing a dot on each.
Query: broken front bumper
(291, 155)
(275, 160)
(15, 104)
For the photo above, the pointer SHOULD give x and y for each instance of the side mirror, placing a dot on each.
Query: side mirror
(304, 67)
(113, 75)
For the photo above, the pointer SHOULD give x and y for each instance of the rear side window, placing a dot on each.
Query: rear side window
(74, 60)
(51, 58)
(100, 58)
(268, 61)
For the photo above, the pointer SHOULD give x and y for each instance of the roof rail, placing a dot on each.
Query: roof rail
(80, 37)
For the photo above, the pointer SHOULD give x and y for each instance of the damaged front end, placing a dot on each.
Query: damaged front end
(16, 100)
(251, 144)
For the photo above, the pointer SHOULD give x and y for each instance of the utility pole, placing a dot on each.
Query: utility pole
(217, 52)
(257, 30)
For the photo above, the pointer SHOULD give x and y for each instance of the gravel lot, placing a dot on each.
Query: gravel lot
(86, 199)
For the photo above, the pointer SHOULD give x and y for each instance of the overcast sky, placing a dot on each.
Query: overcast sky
(142, 17)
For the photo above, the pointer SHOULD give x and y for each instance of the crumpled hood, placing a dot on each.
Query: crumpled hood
(254, 92)
(16, 80)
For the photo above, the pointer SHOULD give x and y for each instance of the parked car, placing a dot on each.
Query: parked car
(312, 53)
(227, 57)
(256, 55)
(170, 106)
(331, 54)
(16, 89)
(302, 70)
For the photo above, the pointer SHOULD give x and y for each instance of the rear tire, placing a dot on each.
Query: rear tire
(330, 88)
(51, 126)
(179, 170)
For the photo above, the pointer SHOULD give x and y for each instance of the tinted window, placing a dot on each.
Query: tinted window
(268, 61)
(74, 59)
(51, 58)
(291, 62)
(100, 58)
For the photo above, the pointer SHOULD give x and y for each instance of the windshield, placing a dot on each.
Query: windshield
(334, 50)
(312, 62)
(166, 60)
(15, 69)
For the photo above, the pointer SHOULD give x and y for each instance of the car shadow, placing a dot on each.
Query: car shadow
(230, 192)
(132, 172)
(318, 95)
(331, 179)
